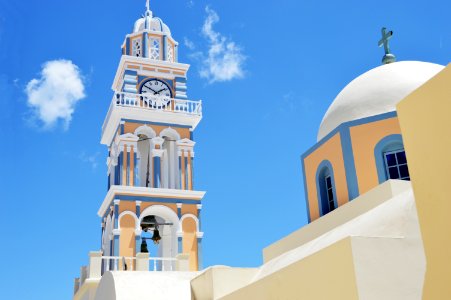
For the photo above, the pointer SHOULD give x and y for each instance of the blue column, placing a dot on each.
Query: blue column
(116, 245)
(164, 48)
(138, 237)
(116, 214)
(199, 208)
(180, 244)
(157, 171)
(199, 254)
(180, 173)
(144, 45)
(136, 170)
(128, 171)
(119, 168)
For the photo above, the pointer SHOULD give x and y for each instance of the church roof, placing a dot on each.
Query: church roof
(376, 91)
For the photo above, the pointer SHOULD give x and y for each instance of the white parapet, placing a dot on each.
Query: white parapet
(182, 263)
(95, 265)
(142, 262)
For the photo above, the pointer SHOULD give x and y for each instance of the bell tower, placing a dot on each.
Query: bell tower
(148, 130)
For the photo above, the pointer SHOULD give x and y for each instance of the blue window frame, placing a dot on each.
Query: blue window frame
(325, 185)
(396, 165)
(329, 193)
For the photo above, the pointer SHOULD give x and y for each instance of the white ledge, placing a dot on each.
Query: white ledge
(147, 192)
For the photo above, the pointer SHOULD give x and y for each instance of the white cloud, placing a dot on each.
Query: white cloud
(54, 95)
(224, 60)
(189, 44)
(190, 3)
(90, 159)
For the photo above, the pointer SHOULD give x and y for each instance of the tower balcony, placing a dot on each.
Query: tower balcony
(149, 108)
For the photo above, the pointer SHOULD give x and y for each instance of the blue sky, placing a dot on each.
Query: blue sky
(291, 59)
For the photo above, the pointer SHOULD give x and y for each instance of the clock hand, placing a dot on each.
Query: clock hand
(155, 92)
(161, 91)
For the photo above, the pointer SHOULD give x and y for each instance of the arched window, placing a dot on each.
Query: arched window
(391, 162)
(325, 185)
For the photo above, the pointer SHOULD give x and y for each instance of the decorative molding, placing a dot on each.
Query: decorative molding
(117, 202)
(179, 205)
(138, 203)
(185, 216)
(130, 213)
(135, 191)
(116, 232)
(199, 235)
(170, 132)
(199, 206)
(146, 130)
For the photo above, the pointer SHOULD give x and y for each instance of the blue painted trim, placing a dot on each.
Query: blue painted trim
(156, 199)
(180, 79)
(122, 128)
(109, 182)
(349, 162)
(180, 244)
(199, 254)
(179, 212)
(156, 172)
(366, 120)
(130, 72)
(156, 123)
(388, 143)
(306, 192)
(191, 135)
(325, 164)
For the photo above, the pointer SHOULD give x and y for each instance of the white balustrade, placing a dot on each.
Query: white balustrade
(121, 263)
(158, 103)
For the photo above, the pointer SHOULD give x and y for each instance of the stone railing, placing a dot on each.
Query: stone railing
(99, 264)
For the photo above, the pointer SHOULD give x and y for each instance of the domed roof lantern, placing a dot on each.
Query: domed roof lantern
(151, 23)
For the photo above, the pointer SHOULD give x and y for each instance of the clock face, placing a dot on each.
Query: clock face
(156, 92)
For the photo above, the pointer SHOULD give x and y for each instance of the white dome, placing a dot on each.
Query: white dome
(376, 92)
(155, 24)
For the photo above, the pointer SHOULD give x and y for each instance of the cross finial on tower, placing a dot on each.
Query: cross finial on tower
(147, 5)
(386, 36)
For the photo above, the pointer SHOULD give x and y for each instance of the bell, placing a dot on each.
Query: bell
(149, 222)
(156, 236)
(144, 246)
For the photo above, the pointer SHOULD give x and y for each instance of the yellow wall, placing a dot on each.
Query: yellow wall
(330, 150)
(426, 127)
(127, 239)
(190, 242)
(363, 145)
(327, 274)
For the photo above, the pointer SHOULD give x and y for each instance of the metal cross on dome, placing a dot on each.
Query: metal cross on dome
(386, 36)
(147, 4)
